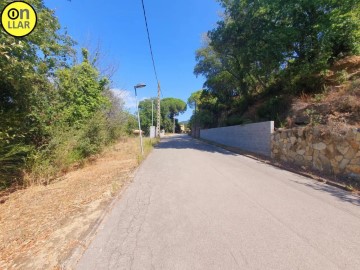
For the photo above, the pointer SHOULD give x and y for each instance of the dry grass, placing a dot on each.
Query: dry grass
(339, 103)
(40, 225)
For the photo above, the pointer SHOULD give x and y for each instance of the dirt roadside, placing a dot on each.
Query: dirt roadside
(40, 226)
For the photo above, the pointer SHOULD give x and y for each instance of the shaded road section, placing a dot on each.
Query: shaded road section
(196, 206)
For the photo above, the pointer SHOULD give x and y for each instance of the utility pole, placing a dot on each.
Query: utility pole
(158, 113)
(152, 112)
(195, 120)
(174, 125)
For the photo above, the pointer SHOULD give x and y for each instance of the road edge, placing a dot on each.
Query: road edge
(73, 259)
(287, 167)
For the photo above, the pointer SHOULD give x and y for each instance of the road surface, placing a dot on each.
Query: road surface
(196, 206)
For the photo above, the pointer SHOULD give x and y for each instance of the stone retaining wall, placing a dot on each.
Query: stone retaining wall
(320, 149)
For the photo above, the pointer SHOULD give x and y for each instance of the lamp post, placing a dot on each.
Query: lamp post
(139, 85)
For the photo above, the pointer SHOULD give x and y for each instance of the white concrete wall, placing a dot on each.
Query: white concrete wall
(252, 137)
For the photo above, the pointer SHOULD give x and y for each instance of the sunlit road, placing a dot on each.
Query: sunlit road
(195, 206)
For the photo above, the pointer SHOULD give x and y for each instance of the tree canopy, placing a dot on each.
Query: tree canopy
(274, 46)
(169, 108)
(53, 110)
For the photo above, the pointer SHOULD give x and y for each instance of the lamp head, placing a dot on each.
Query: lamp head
(140, 85)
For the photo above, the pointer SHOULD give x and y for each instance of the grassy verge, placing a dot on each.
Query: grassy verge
(148, 146)
(41, 225)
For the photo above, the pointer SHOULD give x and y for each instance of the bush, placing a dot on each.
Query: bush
(234, 120)
(94, 136)
(274, 109)
(12, 162)
(69, 146)
(46, 162)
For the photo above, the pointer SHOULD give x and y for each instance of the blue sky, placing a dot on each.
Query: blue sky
(118, 27)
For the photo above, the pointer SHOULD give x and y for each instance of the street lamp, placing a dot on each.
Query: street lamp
(139, 85)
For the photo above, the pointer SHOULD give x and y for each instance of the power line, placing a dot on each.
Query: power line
(151, 51)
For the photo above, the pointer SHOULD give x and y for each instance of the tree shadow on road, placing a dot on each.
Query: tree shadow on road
(340, 194)
(187, 142)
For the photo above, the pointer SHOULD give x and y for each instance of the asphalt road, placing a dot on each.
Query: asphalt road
(195, 206)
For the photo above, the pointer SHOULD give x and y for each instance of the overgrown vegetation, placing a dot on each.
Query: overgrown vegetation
(54, 111)
(264, 52)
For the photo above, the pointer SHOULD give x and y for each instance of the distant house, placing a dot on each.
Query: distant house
(183, 128)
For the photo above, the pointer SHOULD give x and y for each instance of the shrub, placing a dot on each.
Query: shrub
(272, 108)
(12, 161)
(234, 120)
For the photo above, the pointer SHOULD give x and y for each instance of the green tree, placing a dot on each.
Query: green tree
(145, 107)
(81, 91)
(207, 111)
(27, 67)
(274, 46)
(169, 108)
(53, 112)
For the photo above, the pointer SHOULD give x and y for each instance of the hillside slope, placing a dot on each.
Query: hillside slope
(336, 105)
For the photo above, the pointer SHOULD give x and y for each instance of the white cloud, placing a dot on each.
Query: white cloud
(127, 96)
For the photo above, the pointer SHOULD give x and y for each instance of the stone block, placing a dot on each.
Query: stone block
(355, 161)
(358, 137)
(291, 154)
(343, 164)
(334, 164)
(343, 148)
(339, 158)
(299, 160)
(293, 140)
(308, 158)
(353, 168)
(350, 153)
(319, 146)
(317, 164)
(301, 152)
(309, 152)
(331, 148)
(335, 169)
